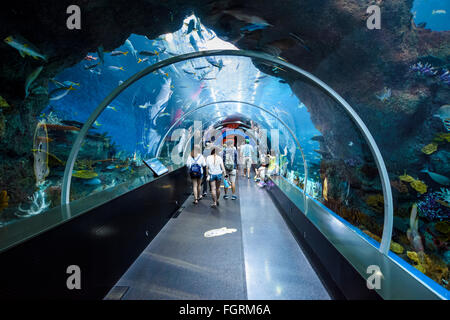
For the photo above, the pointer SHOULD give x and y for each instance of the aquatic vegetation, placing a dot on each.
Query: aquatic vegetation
(352, 162)
(399, 186)
(325, 189)
(430, 148)
(431, 209)
(4, 200)
(384, 95)
(430, 266)
(419, 186)
(395, 247)
(443, 227)
(423, 69)
(442, 137)
(52, 119)
(38, 202)
(444, 77)
(84, 164)
(3, 103)
(444, 196)
(416, 184)
(85, 174)
(376, 202)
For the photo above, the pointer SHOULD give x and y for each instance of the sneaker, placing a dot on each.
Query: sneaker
(233, 197)
(213, 205)
(225, 196)
(205, 194)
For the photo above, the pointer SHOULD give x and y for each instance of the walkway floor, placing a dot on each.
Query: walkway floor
(260, 260)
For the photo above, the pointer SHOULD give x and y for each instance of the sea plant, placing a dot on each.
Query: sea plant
(431, 209)
(38, 202)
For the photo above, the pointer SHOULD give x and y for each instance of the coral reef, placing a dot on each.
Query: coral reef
(430, 148)
(431, 209)
(4, 200)
(38, 202)
(376, 202)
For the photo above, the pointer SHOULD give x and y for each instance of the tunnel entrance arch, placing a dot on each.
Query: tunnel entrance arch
(304, 75)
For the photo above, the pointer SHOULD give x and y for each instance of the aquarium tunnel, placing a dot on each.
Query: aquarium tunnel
(350, 202)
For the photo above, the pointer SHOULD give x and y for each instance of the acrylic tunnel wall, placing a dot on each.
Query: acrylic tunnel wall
(88, 150)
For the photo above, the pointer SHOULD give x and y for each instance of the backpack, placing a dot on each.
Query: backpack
(195, 170)
(229, 160)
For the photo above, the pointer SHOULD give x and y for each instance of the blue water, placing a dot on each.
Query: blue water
(439, 21)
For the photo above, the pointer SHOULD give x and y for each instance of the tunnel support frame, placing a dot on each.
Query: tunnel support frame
(387, 192)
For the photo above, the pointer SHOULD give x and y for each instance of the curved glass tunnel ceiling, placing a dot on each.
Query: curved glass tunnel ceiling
(314, 131)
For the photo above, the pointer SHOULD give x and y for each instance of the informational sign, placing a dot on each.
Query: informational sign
(156, 166)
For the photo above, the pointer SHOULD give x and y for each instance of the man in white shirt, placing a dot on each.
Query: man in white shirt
(247, 155)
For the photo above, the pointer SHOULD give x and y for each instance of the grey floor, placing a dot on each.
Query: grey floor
(261, 260)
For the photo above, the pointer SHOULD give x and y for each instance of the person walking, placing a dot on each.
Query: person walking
(215, 171)
(247, 156)
(206, 152)
(196, 162)
(230, 162)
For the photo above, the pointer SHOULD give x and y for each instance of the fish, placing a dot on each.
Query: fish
(3, 103)
(30, 79)
(148, 53)
(96, 123)
(440, 11)
(142, 60)
(145, 106)
(71, 83)
(213, 62)
(190, 26)
(118, 53)
(208, 79)
(116, 68)
(60, 93)
(111, 108)
(130, 47)
(253, 27)
(162, 98)
(90, 58)
(111, 167)
(24, 47)
(101, 54)
(437, 177)
(92, 66)
(350, 144)
(93, 182)
(164, 114)
(282, 81)
(188, 72)
(120, 82)
(200, 68)
(300, 40)
(193, 43)
(240, 15)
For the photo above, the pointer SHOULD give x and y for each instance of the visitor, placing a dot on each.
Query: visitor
(230, 161)
(206, 153)
(247, 155)
(196, 163)
(215, 170)
(260, 173)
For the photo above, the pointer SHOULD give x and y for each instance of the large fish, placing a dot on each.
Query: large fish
(163, 97)
(130, 47)
(60, 93)
(31, 78)
(437, 177)
(24, 47)
(118, 53)
(193, 43)
(240, 15)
